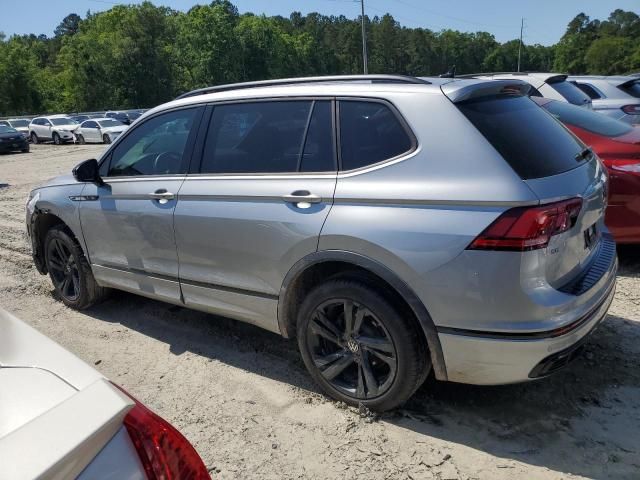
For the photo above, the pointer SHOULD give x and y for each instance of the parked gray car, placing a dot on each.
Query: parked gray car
(394, 225)
(617, 97)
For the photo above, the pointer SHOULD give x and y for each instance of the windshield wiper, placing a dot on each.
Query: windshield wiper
(587, 152)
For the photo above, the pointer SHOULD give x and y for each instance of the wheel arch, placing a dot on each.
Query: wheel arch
(289, 300)
(42, 221)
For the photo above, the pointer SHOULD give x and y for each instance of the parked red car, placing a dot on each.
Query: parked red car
(618, 145)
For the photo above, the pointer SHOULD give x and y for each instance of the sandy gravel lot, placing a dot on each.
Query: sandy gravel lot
(243, 398)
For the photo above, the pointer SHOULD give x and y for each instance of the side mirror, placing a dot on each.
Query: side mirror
(88, 171)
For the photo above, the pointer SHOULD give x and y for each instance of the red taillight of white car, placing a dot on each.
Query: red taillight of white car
(528, 228)
(164, 452)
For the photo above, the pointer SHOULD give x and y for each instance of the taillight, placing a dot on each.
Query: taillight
(528, 228)
(631, 109)
(164, 452)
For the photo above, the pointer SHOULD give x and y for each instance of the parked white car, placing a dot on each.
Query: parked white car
(617, 97)
(99, 130)
(56, 128)
(19, 124)
(60, 418)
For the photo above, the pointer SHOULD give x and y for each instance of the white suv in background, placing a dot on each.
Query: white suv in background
(548, 85)
(617, 97)
(57, 129)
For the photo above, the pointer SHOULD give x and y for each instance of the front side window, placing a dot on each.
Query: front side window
(156, 147)
(109, 123)
(370, 133)
(89, 124)
(269, 137)
(632, 88)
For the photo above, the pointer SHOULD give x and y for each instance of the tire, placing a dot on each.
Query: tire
(379, 365)
(56, 138)
(26, 150)
(69, 270)
(34, 138)
(81, 140)
(106, 138)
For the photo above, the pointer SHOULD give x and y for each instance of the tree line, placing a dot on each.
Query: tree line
(134, 56)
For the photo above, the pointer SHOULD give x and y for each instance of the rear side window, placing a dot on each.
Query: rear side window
(369, 133)
(632, 88)
(588, 119)
(589, 90)
(531, 141)
(572, 93)
(270, 137)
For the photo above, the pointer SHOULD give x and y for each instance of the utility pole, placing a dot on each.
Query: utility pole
(364, 40)
(520, 46)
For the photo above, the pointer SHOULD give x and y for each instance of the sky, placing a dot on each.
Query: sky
(545, 20)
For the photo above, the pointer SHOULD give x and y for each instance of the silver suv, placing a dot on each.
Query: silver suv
(394, 225)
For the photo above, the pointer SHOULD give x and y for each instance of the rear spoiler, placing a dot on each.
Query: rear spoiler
(556, 79)
(462, 91)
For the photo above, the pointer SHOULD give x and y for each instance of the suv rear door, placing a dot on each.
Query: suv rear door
(255, 204)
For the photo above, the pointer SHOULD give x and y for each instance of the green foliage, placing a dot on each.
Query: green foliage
(142, 55)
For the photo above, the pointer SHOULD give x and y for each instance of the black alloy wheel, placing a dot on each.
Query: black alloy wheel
(63, 269)
(352, 349)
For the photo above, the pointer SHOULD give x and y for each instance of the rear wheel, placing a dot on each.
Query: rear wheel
(106, 138)
(69, 270)
(34, 137)
(56, 138)
(359, 347)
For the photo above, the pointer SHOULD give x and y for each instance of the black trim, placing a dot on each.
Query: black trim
(194, 283)
(285, 300)
(556, 332)
(601, 263)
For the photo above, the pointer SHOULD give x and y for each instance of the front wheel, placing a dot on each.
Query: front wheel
(359, 347)
(34, 138)
(106, 138)
(81, 140)
(69, 270)
(56, 139)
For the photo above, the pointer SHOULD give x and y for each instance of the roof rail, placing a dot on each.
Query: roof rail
(305, 80)
(488, 74)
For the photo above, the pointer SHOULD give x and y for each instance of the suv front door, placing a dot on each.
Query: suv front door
(127, 223)
(256, 205)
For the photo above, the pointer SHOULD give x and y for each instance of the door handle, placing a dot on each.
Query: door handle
(301, 196)
(162, 196)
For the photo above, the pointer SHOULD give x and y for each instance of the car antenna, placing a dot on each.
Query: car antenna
(450, 74)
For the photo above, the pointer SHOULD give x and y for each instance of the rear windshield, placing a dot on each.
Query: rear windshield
(19, 123)
(572, 93)
(632, 88)
(588, 119)
(62, 121)
(531, 141)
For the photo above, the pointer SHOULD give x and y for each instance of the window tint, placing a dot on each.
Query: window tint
(263, 137)
(5, 129)
(370, 133)
(156, 147)
(589, 90)
(90, 124)
(110, 123)
(588, 119)
(63, 121)
(3, 123)
(19, 123)
(318, 153)
(530, 140)
(572, 93)
(632, 88)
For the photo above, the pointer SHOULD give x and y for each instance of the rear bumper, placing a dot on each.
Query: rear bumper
(494, 361)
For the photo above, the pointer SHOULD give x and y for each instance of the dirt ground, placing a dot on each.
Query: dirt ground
(243, 398)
